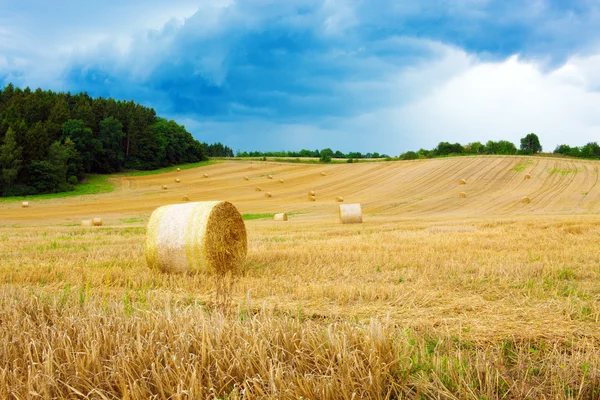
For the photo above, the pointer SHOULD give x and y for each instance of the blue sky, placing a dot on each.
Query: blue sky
(372, 75)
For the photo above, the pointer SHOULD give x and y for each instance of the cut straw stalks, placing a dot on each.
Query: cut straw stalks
(350, 213)
(202, 237)
(280, 217)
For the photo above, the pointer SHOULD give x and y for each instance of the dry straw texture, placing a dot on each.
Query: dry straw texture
(258, 189)
(206, 175)
(339, 199)
(350, 213)
(312, 198)
(177, 180)
(164, 187)
(268, 194)
(185, 198)
(280, 217)
(527, 176)
(525, 200)
(246, 178)
(86, 222)
(97, 221)
(462, 182)
(24, 204)
(462, 195)
(197, 237)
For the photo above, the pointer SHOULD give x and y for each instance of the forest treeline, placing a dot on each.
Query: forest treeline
(49, 140)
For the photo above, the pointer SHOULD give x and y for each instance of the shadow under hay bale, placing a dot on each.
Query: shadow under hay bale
(280, 217)
(201, 237)
(350, 213)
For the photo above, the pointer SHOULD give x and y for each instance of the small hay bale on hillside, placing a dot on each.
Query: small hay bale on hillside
(205, 175)
(97, 221)
(311, 193)
(24, 204)
(527, 176)
(164, 187)
(203, 237)
(280, 217)
(462, 195)
(525, 200)
(350, 213)
(246, 178)
(323, 174)
(312, 198)
(258, 189)
(268, 194)
(86, 222)
(269, 176)
(462, 182)
(178, 169)
(281, 181)
(339, 199)
(185, 198)
(177, 180)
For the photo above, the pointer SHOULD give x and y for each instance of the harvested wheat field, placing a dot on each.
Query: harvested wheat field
(432, 296)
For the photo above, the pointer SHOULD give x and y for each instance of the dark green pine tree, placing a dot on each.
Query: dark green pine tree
(10, 158)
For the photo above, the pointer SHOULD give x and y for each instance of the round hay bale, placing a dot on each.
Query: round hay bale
(268, 194)
(177, 180)
(312, 198)
(311, 193)
(97, 221)
(258, 189)
(178, 169)
(269, 176)
(280, 217)
(281, 181)
(462, 182)
(185, 198)
(323, 174)
(246, 178)
(339, 199)
(206, 175)
(86, 222)
(196, 237)
(462, 195)
(527, 176)
(525, 200)
(24, 204)
(350, 213)
(164, 187)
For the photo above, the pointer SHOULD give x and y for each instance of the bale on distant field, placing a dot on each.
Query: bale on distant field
(164, 187)
(268, 194)
(281, 181)
(269, 176)
(350, 213)
(462, 195)
(312, 198)
(196, 237)
(185, 198)
(24, 204)
(280, 217)
(178, 169)
(339, 199)
(206, 175)
(258, 189)
(177, 180)
(323, 173)
(525, 200)
(527, 176)
(462, 182)
(311, 193)
(246, 178)
(86, 222)
(97, 221)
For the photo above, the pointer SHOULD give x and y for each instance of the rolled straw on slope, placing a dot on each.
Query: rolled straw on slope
(527, 176)
(525, 200)
(24, 204)
(311, 193)
(246, 178)
(350, 213)
(462, 182)
(178, 169)
(164, 187)
(280, 217)
(177, 180)
(281, 181)
(258, 189)
(206, 175)
(323, 174)
(97, 221)
(462, 195)
(197, 237)
(339, 199)
(269, 176)
(268, 194)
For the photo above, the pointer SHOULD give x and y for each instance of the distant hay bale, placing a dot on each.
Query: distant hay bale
(269, 176)
(525, 200)
(268, 194)
(86, 222)
(178, 169)
(312, 198)
(281, 181)
(164, 187)
(24, 204)
(97, 221)
(196, 237)
(350, 213)
(323, 174)
(462, 195)
(177, 180)
(206, 175)
(185, 198)
(527, 176)
(311, 193)
(258, 189)
(246, 178)
(339, 199)
(280, 217)
(462, 182)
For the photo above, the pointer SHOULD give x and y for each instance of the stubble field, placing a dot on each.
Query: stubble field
(433, 296)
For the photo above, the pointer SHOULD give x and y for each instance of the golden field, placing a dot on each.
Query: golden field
(433, 296)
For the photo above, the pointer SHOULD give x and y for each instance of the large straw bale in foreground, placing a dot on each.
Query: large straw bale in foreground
(280, 217)
(350, 214)
(196, 237)
(24, 204)
(97, 221)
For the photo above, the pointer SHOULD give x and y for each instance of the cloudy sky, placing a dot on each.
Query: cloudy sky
(370, 75)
